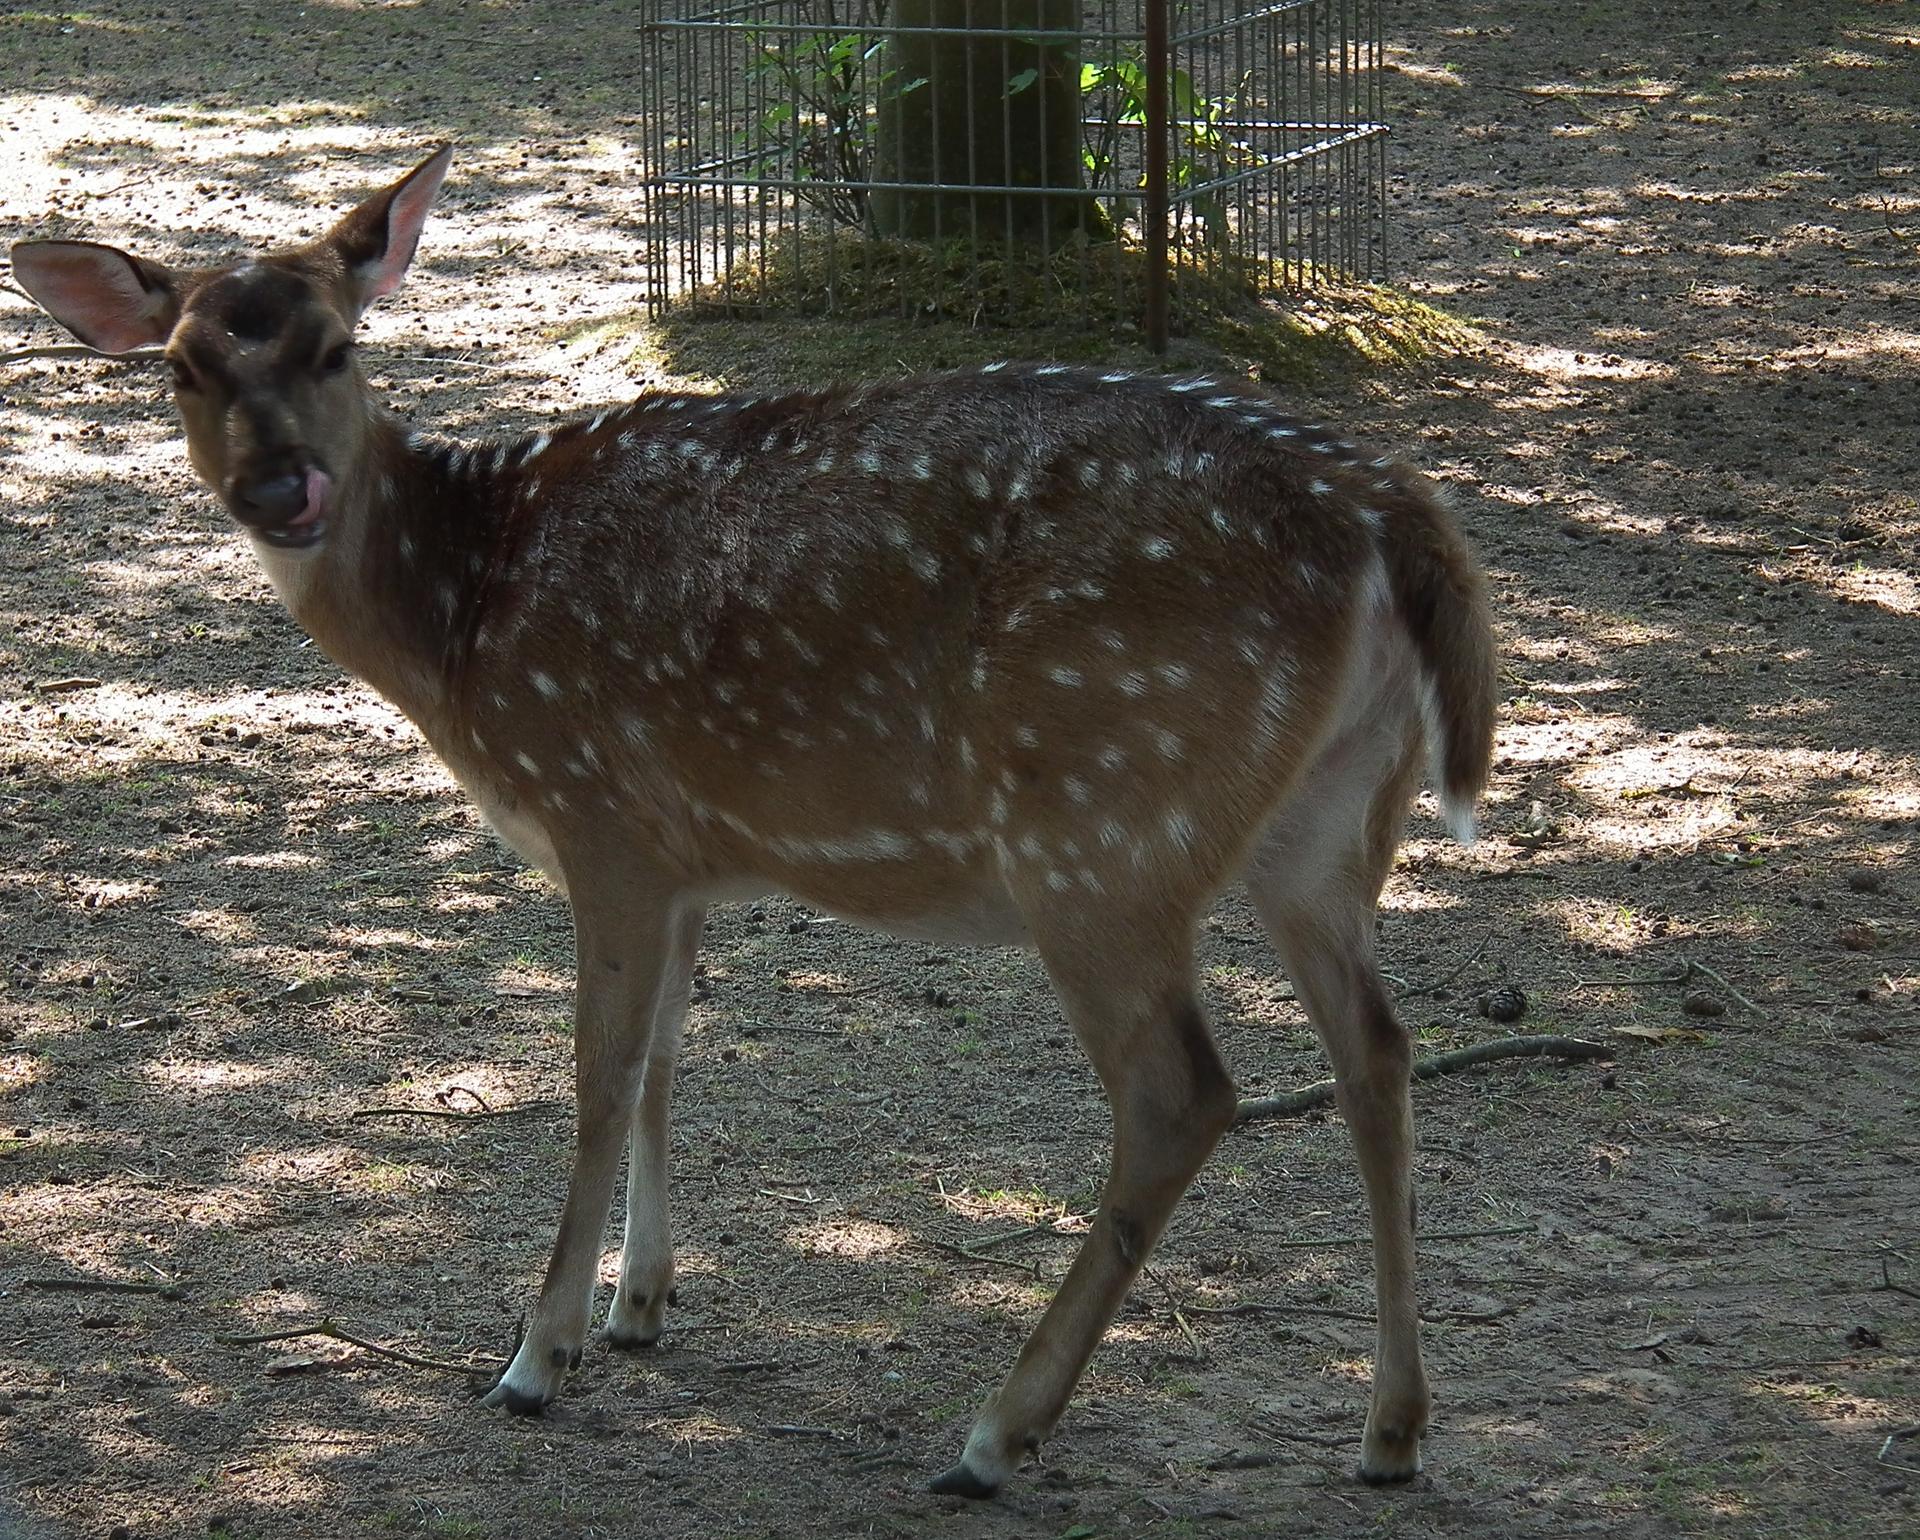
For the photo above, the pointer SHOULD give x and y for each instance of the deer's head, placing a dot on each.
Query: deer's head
(261, 351)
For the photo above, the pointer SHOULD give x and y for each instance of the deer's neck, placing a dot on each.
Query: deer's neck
(396, 592)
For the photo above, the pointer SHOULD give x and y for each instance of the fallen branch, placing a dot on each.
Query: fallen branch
(106, 1286)
(795, 1430)
(453, 1115)
(326, 1328)
(1321, 1092)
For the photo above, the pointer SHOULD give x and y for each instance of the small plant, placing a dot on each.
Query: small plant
(822, 131)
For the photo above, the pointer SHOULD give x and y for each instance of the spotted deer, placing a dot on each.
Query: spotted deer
(1028, 655)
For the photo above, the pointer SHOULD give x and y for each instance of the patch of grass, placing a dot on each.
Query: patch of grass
(898, 306)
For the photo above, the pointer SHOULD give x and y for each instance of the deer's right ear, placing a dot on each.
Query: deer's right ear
(376, 241)
(107, 299)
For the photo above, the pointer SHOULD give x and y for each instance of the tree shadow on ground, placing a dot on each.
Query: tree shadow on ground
(1695, 514)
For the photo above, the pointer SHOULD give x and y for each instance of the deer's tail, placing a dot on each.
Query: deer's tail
(1441, 600)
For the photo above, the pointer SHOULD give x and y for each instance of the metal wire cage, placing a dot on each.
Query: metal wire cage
(1108, 161)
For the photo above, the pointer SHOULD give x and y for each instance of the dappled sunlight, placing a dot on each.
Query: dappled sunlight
(221, 925)
(204, 1075)
(1896, 589)
(254, 933)
(856, 1240)
(1610, 926)
(1560, 363)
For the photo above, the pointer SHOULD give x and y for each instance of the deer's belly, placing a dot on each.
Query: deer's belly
(961, 909)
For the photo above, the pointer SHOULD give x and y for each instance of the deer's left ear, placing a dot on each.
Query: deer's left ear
(376, 241)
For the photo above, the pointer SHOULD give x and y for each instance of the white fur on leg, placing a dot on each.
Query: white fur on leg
(533, 1378)
(984, 1465)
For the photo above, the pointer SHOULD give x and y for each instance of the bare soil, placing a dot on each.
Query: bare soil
(242, 904)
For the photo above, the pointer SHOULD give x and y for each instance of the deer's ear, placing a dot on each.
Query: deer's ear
(376, 241)
(107, 299)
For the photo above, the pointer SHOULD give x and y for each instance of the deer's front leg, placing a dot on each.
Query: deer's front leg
(646, 1261)
(626, 944)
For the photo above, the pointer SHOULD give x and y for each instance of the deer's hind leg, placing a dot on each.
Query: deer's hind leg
(1315, 881)
(1126, 983)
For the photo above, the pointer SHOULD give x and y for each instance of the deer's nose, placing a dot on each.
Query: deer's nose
(271, 500)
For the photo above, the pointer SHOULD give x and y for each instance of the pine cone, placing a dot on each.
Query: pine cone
(1506, 1003)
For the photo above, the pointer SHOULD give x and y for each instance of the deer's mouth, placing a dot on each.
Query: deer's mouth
(308, 524)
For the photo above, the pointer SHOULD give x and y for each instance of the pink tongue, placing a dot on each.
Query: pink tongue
(319, 483)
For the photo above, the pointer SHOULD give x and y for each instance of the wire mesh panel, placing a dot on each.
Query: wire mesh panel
(990, 159)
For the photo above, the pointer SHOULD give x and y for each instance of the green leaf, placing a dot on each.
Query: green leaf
(1021, 81)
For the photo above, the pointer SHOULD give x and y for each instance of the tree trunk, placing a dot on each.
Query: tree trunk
(995, 111)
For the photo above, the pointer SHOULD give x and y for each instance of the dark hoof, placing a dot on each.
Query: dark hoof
(1386, 1478)
(961, 1482)
(628, 1342)
(518, 1402)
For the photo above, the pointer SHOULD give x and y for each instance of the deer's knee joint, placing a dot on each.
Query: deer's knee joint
(1208, 1082)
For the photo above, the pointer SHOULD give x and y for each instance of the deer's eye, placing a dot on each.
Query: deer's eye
(335, 358)
(182, 375)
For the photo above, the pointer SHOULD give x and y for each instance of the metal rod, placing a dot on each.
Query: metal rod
(1155, 212)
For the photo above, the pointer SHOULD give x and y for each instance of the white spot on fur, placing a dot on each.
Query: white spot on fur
(1156, 548)
(546, 685)
(1061, 674)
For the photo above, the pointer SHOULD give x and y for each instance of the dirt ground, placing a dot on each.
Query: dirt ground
(243, 906)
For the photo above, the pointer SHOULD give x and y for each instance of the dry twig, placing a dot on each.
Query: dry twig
(1686, 973)
(453, 1114)
(1332, 1313)
(1316, 1242)
(1886, 1285)
(79, 350)
(1031, 1269)
(1321, 1092)
(106, 1286)
(325, 1327)
(1886, 1448)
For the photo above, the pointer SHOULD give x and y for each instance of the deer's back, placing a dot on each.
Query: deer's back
(1030, 615)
